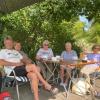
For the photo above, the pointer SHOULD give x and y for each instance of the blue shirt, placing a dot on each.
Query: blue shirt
(69, 55)
(92, 56)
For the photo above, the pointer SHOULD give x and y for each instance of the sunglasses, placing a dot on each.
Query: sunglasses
(96, 48)
(46, 45)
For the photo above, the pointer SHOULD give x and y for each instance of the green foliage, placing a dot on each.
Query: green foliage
(55, 20)
(94, 33)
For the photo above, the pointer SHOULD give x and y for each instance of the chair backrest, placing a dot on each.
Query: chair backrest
(19, 78)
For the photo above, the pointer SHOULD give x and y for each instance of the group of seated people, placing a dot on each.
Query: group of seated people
(92, 59)
(16, 60)
(70, 56)
(13, 58)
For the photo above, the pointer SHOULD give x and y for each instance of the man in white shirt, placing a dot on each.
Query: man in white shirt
(13, 60)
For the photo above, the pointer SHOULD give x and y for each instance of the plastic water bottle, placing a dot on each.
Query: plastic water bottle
(85, 59)
(8, 98)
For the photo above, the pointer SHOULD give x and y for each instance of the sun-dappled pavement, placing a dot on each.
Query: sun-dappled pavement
(26, 94)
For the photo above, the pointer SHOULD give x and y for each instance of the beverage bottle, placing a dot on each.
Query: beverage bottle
(8, 98)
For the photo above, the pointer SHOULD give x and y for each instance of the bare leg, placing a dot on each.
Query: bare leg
(34, 84)
(39, 69)
(68, 75)
(32, 68)
(62, 74)
(42, 67)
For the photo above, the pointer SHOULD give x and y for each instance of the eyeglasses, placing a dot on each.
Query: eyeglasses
(96, 48)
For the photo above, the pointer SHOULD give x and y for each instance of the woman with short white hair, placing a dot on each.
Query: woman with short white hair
(68, 55)
(45, 53)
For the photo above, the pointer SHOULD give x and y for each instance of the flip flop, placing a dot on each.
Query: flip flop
(97, 95)
(53, 89)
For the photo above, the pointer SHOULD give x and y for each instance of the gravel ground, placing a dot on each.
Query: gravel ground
(26, 94)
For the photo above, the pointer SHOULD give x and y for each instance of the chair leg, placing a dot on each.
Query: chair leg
(17, 90)
(0, 83)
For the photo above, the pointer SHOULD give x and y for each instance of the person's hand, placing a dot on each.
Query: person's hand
(19, 64)
(71, 66)
(92, 61)
(49, 58)
(38, 58)
(61, 59)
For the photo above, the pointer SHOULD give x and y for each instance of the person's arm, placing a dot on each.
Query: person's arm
(38, 55)
(62, 55)
(51, 53)
(3, 62)
(25, 59)
(6, 63)
(75, 55)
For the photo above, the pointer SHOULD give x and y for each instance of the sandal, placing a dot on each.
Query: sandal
(53, 89)
(97, 94)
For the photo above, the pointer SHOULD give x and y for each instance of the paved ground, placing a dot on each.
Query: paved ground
(26, 94)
